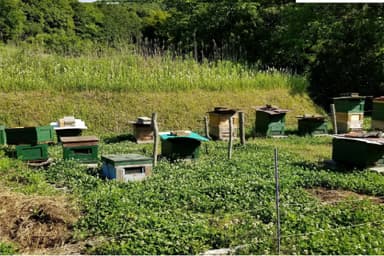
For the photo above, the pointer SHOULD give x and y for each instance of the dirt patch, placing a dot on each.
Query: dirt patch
(34, 222)
(330, 195)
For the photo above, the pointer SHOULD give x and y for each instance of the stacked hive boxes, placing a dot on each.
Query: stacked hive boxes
(349, 112)
(142, 130)
(31, 142)
(219, 123)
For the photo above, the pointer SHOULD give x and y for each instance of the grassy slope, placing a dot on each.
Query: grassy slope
(109, 89)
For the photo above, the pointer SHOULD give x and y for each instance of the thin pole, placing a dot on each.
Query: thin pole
(230, 142)
(206, 127)
(242, 128)
(155, 137)
(333, 114)
(277, 193)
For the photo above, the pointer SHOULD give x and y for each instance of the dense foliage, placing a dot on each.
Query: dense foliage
(187, 208)
(339, 46)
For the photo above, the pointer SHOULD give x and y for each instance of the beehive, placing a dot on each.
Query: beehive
(68, 127)
(142, 130)
(378, 113)
(270, 121)
(29, 135)
(180, 145)
(349, 112)
(37, 152)
(126, 167)
(358, 151)
(312, 125)
(81, 148)
(219, 123)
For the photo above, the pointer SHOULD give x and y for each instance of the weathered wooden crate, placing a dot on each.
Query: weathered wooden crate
(142, 130)
(126, 167)
(29, 135)
(81, 148)
(348, 121)
(219, 123)
(37, 152)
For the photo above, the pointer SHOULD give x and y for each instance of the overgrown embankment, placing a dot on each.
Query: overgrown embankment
(110, 88)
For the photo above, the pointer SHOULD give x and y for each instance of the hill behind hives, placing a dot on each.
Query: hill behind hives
(109, 89)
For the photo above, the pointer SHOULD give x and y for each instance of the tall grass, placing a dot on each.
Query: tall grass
(32, 69)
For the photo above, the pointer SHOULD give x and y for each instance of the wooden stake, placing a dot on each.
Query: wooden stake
(242, 128)
(333, 116)
(277, 194)
(230, 142)
(155, 138)
(206, 127)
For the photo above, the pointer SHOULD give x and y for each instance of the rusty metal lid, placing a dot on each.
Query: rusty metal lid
(223, 110)
(349, 95)
(381, 98)
(311, 117)
(79, 139)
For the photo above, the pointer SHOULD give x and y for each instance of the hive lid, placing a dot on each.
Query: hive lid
(272, 110)
(349, 95)
(126, 157)
(79, 139)
(381, 98)
(187, 134)
(367, 137)
(311, 117)
(142, 120)
(223, 110)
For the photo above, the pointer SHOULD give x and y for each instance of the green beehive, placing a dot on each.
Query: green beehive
(181, 145)
(270, 121)
(358, 152)
(81, 148)
(32, 152)
(349, 112)
(126, 167)
(312, 125)
(29, 135)
(378, 113)
(3, 137)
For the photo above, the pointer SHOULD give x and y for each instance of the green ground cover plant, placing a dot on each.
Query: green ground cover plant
(187, 208)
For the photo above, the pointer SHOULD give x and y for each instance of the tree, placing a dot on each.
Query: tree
(11, 20)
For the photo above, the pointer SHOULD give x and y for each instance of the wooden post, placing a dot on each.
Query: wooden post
(242, 128)
(155, 138)
(277, 194)
(206, 127)
(333, 115)
(230, 142)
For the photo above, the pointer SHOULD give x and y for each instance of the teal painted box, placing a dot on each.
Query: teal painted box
(3, 136)
(81, 148)
(29, 135)
(32, 152)
(270, 121)
(126, 167)
(181, 145)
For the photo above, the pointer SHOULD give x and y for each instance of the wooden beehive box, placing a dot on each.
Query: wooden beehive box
(126, 167)
(81, 148)
(3, 136)
(378, 113)
(37, 152)
(29, 135)
(358, 151)
(312, 125)
(270, 121)
(349, 112)
(181, 145)
(219, 123)
(142, 130)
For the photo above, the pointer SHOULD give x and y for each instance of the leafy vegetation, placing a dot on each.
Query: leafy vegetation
(187, 208)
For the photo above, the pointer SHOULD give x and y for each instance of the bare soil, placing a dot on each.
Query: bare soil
(331, 195)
